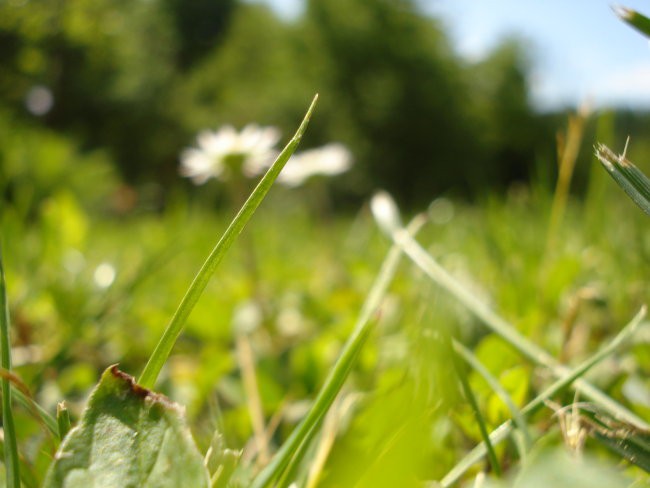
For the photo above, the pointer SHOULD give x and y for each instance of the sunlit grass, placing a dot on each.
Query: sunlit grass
(314, 280)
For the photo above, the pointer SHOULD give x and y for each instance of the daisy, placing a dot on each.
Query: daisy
(219, 154)
(329, 160)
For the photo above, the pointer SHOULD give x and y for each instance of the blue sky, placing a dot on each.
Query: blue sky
(579, 48)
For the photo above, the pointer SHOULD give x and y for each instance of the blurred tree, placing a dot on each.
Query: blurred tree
(140, 77)
(104, 65)
(397, 79)
(255, 76)
(199, 26)
(511, 134)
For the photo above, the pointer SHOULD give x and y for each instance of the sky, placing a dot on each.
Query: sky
(580, 51)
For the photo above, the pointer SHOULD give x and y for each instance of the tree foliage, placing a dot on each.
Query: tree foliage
(140, 78)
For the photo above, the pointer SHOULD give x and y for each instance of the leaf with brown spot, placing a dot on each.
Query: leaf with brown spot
(128, 436)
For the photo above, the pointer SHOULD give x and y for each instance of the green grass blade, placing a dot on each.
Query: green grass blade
(469, 396)
(572, 376)
(517, 416)
(631, 445)
(308, 426)
(12, 468)
(39, 412)
(167, 341)
(639, 21)
(506, 330)
(62, 419)
(627, 175)
(21, 394)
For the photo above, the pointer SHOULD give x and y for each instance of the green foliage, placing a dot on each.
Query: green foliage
(139, 79)
(283, 378)
(313, 281)
(128, 436)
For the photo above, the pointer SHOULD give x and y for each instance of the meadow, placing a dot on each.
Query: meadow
(495, 314)
(250, 326)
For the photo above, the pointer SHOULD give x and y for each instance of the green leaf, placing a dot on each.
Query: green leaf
(639, 21)
(628, 176)
(128, 437)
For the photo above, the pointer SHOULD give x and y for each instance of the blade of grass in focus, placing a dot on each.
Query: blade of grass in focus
(639, 21)
(12, 468)
(627, 175)
(295, 446)
(173, 330)
(504, 430)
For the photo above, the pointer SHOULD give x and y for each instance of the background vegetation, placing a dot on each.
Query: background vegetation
(137, 82)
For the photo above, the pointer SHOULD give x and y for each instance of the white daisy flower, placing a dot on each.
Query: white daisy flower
(219, 153)
(329, 160)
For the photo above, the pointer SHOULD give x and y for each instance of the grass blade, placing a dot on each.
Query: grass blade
(12, 467)
(167, 341)
(63, 419)
(299, 438)
(631, 445)
(627, 175)
(639, 21)
(21, 394)
(469, 396)
(572, 376)
(517, 417)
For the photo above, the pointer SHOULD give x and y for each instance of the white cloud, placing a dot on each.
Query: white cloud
(629, 85)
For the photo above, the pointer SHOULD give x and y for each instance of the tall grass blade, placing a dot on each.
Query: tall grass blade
(569, 148)
(639, 21)
(39, 413)
(517, 417)
(167, 341)
(471, 399)
(299, 439)
(21, 394)
(572, 376)
(627, 175)
(630, 444)
(63, 419)
(12, 468)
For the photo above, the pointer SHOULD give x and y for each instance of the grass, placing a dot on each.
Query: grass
(351, 356)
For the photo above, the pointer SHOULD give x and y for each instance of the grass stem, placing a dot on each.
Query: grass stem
(299, 438)
(173, 330)
(12, 464)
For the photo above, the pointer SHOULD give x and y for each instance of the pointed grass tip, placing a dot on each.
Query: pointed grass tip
(385, 211)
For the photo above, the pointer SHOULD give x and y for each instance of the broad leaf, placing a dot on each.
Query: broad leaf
(128, 437)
